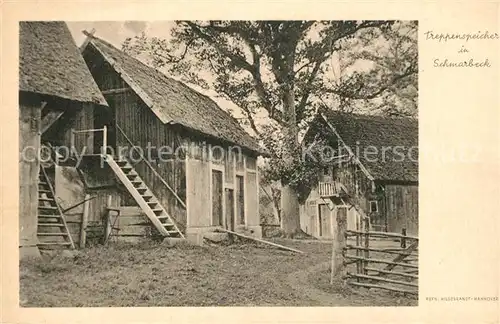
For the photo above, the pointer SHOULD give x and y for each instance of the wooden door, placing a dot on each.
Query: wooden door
(230, 209)
(240, 200)
(325, 225)
(217, 198)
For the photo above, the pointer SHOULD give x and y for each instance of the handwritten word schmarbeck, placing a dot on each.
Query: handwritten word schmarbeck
(468, 63)
(440, 37)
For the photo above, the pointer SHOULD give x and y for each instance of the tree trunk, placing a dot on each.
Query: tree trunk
(290, 217)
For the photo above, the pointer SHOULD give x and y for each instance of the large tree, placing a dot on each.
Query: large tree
(276, 70)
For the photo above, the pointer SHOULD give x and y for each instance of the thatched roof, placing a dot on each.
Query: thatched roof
(50, 63)
(399, 136)
(172, 101)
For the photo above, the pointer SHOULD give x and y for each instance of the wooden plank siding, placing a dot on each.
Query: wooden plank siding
(402, 208)
(77, 116)
(147, 132)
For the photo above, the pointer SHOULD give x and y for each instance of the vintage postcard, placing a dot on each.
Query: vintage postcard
(188, 162)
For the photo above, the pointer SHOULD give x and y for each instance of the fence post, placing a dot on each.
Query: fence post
(338, 271)
(403, 239)
(367, 244)
(358, 245)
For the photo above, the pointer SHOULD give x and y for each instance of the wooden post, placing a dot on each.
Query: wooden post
(358, 243)
(403, 239)
(107, 229)
(367, 244)
(71, 141)
(104, 139)
(83, 231)
(339, 244)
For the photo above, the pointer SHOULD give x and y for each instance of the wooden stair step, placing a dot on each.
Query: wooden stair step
(54, 243)
(45, 199)
(50, 225)
(52, 234)
(49, 216)
(44, 190)
(47, 207)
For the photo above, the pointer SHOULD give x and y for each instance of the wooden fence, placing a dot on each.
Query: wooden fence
(382, 260)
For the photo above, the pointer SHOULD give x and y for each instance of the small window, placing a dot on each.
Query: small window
(373, 206)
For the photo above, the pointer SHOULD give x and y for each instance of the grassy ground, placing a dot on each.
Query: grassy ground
(157, 275)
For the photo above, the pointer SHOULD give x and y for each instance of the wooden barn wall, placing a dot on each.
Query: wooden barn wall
(77, 116)
(29, 136)
(145, 130)
(402, 208)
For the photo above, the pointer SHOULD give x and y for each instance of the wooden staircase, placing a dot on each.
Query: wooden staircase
(144, 197)
(52, 229)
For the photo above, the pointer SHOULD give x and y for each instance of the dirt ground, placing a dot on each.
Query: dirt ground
(242, 274)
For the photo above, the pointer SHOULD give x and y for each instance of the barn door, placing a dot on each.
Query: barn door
(325, 225)
(217, 198)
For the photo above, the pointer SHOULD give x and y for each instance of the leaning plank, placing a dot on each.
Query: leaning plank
(261, 241)
(402, 256)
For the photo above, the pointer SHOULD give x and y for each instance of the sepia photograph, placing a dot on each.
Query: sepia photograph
(218, 163)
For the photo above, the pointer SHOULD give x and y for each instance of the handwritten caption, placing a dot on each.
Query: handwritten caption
(463, 48)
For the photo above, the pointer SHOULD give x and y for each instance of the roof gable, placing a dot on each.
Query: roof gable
(386, 147)
(174, 102)
(51, 64)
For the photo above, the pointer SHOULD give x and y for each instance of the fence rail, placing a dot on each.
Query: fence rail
(380, 260)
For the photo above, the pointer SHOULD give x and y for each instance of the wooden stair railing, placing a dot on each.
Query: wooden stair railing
(144, 197)
(181, 202)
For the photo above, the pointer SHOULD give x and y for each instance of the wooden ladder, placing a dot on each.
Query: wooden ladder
(144, 197)
(52, 229)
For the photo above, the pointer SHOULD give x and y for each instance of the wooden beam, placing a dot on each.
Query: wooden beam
(85, 217)
(375, 278)
(89, 37)
(115, 91)
(259, 240)
(367, 285)
(49, 119)
(402, 256)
